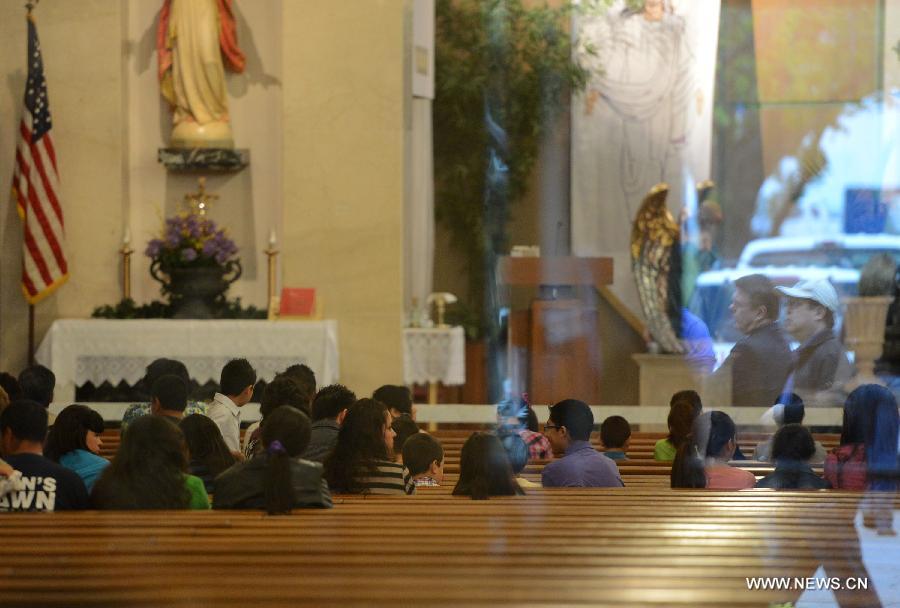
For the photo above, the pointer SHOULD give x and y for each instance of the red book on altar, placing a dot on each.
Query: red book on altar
(297, 302)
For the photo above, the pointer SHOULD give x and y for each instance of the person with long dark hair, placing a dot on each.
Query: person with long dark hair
(283, 390)
(867, 455)
(150, 471)
(792, 447)
(702, 461)
(75, 442)
(681, 419)
(484, 469)
(362, 462)
(276, 480)
(208, 455)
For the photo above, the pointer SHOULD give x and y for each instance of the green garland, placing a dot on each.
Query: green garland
(128, 309)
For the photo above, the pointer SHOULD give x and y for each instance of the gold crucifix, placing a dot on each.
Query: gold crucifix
(199, 202)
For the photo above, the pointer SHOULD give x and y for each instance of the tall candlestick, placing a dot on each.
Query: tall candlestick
(126, 252)
(272, 254)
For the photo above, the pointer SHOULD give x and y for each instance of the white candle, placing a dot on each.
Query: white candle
(126, 240)
(272, 239)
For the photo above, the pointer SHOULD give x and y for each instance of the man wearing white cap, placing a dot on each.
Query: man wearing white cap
(820, 363)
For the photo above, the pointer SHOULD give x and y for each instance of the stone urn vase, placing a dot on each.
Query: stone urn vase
(193, 290)
(864, 332)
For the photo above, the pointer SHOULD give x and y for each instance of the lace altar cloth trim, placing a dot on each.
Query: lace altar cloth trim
(434, 355)
(98, 350)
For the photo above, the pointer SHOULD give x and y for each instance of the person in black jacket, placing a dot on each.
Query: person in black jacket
(277, 480)
(792, 448)
(761, 361)
(820, 362)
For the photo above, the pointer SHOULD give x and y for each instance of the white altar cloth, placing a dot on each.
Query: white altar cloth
(98, 350)
(434, 355)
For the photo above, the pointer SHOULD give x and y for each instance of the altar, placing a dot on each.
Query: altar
(101, 350)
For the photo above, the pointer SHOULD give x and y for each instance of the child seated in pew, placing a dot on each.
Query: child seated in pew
(423, 457)
(792, 447)
(150, 471)
(615, 434)
(684, 408)
(517, 452)
(208, 454)
(517, 416)
(404, 427)
(702, 461)
(74, 442)
(788, 409)
(484, 469)
(277, 479)
(362, 461)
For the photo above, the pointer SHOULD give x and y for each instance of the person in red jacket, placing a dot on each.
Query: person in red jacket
(867, 456)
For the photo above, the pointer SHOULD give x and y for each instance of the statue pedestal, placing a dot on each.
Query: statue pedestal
(218, 160)
(661, 376)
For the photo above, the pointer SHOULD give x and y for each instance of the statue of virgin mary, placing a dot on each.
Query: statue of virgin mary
(195, 41)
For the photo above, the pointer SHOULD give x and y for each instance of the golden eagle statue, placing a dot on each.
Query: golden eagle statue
(656, 263)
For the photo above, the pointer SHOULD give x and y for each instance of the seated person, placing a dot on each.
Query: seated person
(38, 384)
(404, 428)
(517, 452)
(820, 363)
(328, 410)
(208, 455)
(423, 457)
(398, 400)
(4, 399)
(702, 462)
(867, 456)
(759, 363)
(362, 460)
(788, 410)
(791, 450)
(283, 390)
(304, 376)
(10, 385)
(150, 471)
(277, 480)
(236, 389)
(169, 398)
(74, 442)
(569, 431)
(615, 434)
(683, 410)
(160, 367)
(10, 479)
(516, 416)
(46, 485)
(484, 469)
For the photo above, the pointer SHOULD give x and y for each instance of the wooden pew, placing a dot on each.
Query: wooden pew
(631, 546)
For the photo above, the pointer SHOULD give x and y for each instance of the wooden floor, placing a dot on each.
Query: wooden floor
(629, 546)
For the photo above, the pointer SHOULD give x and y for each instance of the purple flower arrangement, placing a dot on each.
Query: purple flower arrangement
(189, 239)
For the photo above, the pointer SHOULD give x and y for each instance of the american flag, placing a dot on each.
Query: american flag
(36, 186)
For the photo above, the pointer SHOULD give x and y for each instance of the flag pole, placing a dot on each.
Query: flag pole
(31, 334)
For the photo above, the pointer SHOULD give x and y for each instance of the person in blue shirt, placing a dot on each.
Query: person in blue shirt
(74, 442)
(569, 431)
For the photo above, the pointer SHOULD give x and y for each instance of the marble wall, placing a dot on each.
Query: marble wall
(345, 115)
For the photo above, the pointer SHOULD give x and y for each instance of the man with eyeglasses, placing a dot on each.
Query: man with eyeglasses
(569, 432)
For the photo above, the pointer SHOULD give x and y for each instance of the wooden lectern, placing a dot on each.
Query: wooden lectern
(553, 350)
